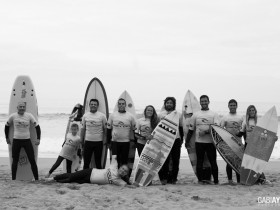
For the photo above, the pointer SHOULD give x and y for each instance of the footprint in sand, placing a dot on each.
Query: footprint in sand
(74, 187)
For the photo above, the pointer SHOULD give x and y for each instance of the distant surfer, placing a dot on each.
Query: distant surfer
(145, 126)
(232, 123)
(120, 126)
(165, 175)
(69, 150)
(21, 120)
(200, 123)
(93, 133)
(112, 175)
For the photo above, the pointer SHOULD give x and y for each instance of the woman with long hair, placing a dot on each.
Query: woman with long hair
(145, 126)
(249, 123)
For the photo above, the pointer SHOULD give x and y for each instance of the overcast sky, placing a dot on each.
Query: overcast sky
(152, 49)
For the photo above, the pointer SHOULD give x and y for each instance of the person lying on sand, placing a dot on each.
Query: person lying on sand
(111, 175)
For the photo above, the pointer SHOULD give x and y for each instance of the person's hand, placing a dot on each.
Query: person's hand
(37, 142)
(187, 145)
(8, 141)
(149, 137)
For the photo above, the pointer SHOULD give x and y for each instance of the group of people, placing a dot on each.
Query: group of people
(92, 130)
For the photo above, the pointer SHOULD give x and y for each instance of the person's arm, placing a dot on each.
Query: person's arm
(109, 130)
(7, 129)
(181, 133)
(188, 138)
(104, 130)
(38, 132)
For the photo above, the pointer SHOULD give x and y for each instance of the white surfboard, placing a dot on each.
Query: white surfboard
(23, 91)
(96, 90)
(132, 154)
(259, 148)
(156, 151)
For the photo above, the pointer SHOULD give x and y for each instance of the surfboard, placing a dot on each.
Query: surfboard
(131, 109)
(259, 148)
(75, 117)
(23, 91)
(96, 90)
(156, 151)
(189, 107)
(229, 147)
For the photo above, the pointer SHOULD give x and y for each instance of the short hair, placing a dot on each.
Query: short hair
(94, 100)
(75, 125)
(232, 101)
(122, 99)
(204, 96)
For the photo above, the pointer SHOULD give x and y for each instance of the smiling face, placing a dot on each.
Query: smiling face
(149, 112)
(21, 108)
(121, 105)
(123, 170)
(204, 103)
(252, 112)
(74, 129)
(93, 106)
(232, 108)
(169, 105)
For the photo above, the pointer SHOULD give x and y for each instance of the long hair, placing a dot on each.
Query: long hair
(172, 99)
(248, 116)
(154, 117)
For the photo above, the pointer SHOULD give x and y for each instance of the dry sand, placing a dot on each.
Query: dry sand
(186, 194)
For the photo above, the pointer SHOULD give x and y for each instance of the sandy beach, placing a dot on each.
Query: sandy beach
(186, 194)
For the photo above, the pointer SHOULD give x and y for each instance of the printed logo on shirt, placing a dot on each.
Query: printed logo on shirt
(21, 124)
(120, 124)
(109, 176)
(204, 120)
(93, 124)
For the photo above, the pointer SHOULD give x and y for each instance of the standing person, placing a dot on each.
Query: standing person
(232, 123)
(21, 120)
(248, 125)
(69, 150)
(200, 123)
(145, 126)
(111, 175)
(93, 133)
(165, 175)
(120, 126)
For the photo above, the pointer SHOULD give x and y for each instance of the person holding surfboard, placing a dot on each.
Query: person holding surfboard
(248, 125)
(113, 175)
(94, 128)
(232, 123)
(165, 175)
(21, 120)
(120, 125)
(69, 150)
(200, 123)
(145, 126)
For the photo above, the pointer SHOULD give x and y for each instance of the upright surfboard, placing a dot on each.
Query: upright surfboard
(131, 109)
(23, 91)
(230, 148)
(96, 90)
(156, 151)
(75, 117)
(189, 107)
(259, 148)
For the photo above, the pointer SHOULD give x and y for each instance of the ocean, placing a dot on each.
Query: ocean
(53, 126)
